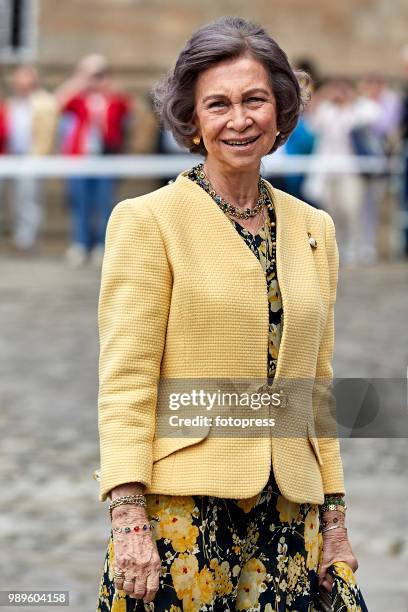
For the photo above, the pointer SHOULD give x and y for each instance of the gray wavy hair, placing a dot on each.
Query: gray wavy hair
(226, 38)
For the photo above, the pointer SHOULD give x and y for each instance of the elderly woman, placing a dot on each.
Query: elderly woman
(219, 275)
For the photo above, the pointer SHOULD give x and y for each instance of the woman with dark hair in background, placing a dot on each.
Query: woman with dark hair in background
(205, 519)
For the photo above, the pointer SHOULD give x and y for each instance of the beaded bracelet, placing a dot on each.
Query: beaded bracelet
(334, 499)
(331, 508)
(136, 528)
(333, 502)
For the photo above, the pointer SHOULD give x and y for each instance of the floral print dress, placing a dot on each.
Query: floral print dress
(259, 554)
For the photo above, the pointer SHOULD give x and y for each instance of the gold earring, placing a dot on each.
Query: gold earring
(197, 140)
(277, 133)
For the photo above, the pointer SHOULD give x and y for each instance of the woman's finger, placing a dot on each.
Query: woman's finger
(139, 587)
(322, 573)
(118, 577)
(152, 586)
(129, 584)
(328, 582)
(329, 577)
(327, 586)
(118, 582)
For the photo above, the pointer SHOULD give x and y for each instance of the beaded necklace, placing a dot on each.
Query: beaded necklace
(226, 206)
(198, 175)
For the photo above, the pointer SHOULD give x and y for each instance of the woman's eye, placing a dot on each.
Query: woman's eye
(253, 99)
(217, 103)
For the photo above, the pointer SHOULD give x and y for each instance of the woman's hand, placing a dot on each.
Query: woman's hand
(336, 547)
(136, 554)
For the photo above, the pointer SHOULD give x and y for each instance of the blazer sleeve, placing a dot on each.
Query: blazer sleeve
(133, 308)
(324, 404)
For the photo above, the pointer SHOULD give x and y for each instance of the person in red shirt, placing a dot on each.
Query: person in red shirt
(95, 121)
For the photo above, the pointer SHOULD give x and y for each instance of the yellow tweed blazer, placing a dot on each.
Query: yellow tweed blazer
(182, 296)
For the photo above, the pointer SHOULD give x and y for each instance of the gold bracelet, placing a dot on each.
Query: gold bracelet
(135, 500)
(334, 527)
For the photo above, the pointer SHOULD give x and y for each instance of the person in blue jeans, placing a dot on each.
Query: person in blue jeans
(95, 122)
(91, 202)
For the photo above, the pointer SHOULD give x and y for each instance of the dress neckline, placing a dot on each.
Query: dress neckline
(262, 231)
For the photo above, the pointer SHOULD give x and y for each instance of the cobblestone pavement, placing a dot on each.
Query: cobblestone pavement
(53, 528)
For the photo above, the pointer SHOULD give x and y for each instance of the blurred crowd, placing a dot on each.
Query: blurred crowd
(362, 120)
(89, 115)
(86, 115)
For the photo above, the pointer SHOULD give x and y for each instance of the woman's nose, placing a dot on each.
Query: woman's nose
(239, 120)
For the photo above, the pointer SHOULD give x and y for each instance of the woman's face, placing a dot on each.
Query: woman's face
(235, 113)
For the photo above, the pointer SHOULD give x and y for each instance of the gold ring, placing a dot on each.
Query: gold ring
(118, 574)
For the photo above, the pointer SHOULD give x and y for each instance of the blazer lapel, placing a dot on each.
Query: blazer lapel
(285, 246)
(299, 285)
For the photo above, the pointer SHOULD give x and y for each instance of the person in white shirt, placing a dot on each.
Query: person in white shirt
(341, 194)
(29, 120)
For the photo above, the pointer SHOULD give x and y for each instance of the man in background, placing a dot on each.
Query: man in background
(28, 121)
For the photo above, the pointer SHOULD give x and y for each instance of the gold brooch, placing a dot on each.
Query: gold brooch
(312, 241)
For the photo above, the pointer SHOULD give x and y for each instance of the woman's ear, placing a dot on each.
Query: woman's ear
(195, 121)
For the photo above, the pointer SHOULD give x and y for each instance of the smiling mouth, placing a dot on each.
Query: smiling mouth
(242, 142)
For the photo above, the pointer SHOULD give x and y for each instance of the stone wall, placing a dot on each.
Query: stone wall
(143, 37)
